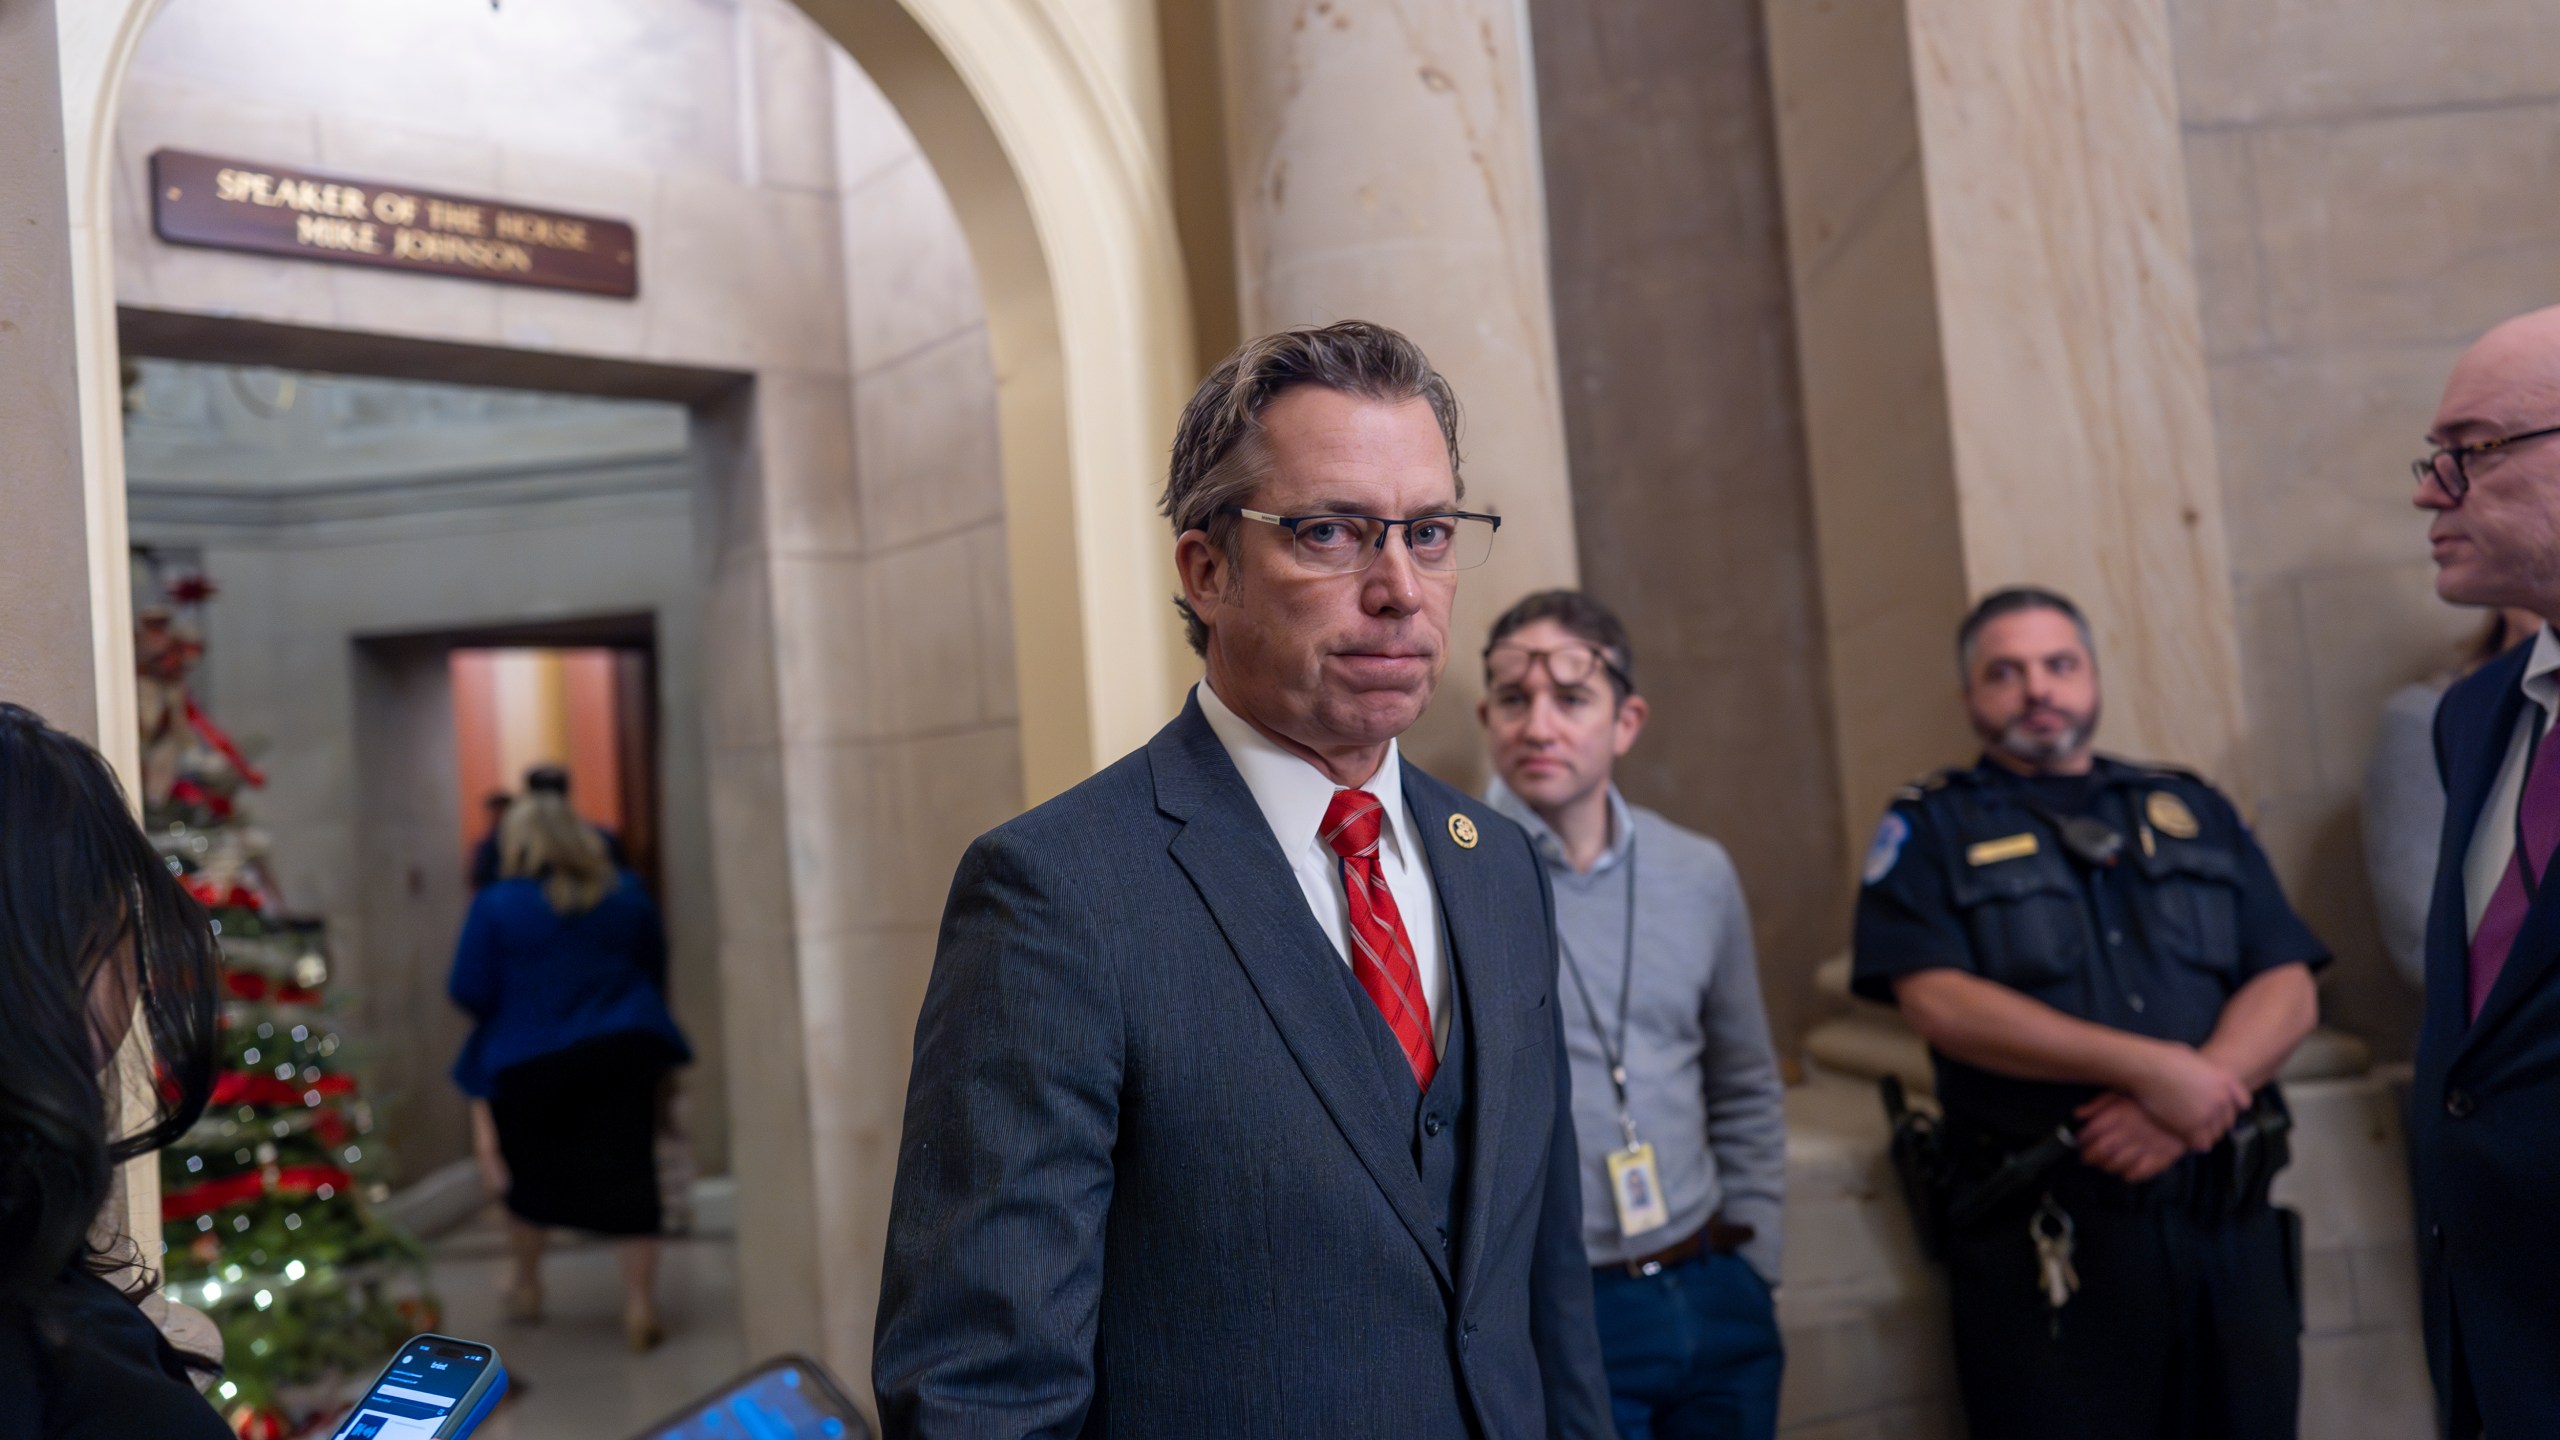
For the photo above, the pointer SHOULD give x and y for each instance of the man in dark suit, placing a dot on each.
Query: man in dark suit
(1239, 1106)
(2484, 1121)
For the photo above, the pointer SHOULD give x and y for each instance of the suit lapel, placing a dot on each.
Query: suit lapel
(1461, 877)
(2467, 795)
(2477, 748)
(1228, 850)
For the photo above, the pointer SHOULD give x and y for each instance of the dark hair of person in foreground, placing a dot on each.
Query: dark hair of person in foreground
(92, 924)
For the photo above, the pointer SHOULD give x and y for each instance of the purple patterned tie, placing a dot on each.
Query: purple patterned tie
(2538, 822)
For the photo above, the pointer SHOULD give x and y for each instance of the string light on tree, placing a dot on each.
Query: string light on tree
(265, 1223)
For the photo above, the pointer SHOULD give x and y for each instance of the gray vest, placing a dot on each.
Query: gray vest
(1436, 1119)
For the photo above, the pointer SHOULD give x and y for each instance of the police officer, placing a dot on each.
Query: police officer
(2108, 978)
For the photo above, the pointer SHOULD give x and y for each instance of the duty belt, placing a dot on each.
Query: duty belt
(1995, 1176)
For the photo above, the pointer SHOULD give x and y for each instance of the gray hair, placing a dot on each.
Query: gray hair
(1218, 456)
(2011, 601)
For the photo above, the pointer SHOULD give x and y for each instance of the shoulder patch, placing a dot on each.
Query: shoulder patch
(1885, 851)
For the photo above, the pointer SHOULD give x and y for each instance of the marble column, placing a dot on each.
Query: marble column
(2003, 364)
(1384, 163)
(46, 661)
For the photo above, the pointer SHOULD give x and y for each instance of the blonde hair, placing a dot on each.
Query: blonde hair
(542, 838)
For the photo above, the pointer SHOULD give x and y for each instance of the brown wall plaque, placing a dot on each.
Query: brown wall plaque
(277, 210)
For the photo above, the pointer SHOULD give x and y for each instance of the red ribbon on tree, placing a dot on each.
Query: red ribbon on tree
(207, 1196)
(215, 897)
(250, 985)
(235, 1087)
(186, 791)
(214, 737)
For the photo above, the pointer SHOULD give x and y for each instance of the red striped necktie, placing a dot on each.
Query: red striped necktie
(1381, 955)
(2537, 830)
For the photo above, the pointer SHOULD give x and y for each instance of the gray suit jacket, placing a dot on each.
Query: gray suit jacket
(1151, 1183)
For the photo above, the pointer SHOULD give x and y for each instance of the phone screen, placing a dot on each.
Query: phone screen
(415, 1397)
(782, 1402)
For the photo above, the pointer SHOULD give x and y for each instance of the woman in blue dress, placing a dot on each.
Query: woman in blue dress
(563, 964)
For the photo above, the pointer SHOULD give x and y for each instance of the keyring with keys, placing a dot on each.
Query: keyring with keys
(2051, 1230)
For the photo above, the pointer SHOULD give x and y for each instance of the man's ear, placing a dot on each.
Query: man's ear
(1630, 724)
(1207, 571)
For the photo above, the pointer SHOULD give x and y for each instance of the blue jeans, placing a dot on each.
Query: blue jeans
(1693, 1352)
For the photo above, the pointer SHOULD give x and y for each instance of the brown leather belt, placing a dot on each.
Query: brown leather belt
(1719, 1235)
(1661, 1260)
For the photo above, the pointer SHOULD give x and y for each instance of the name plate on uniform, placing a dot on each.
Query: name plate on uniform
(1992, 852)
(286, 210)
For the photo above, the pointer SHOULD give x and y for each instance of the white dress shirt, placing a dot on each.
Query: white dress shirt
(1293, 796)
(2493, 844)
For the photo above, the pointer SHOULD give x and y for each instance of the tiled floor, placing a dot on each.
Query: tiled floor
(578, 1380)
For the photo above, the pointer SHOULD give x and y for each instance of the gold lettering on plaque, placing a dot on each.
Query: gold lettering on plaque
(541, 230)
(456, 250)
(252, 187)
(457, 219)
(344, 220)
(325, 233)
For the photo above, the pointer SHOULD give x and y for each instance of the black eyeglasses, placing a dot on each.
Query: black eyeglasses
(1348, 544)
(2450, 465)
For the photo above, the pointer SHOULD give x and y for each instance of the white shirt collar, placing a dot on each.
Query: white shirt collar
(1292, 793)
(2542, 671)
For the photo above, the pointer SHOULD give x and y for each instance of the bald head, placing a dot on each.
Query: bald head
(2508, 381)
(2499, 544)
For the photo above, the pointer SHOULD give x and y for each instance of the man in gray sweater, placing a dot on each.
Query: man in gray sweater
(1675, 1088)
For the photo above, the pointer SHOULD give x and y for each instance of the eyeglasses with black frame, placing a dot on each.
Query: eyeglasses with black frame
(1567, 665)
(1349, 544)
(2449, 465)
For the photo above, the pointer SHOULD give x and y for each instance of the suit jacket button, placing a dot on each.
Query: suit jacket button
(2459, 1104)
(1431, 1123)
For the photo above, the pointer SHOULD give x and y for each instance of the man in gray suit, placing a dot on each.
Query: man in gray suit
(1239, 1106)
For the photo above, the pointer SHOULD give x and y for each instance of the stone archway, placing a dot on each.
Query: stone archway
(1051, 159)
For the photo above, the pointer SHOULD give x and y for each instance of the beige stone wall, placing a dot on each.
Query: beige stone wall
(858, 713)
(1675, 334)
(896, 722)
(2003, 375)
(44, 593)
(2368, 185)
(1383, 162)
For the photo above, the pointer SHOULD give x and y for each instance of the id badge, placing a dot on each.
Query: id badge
(1637, 1187)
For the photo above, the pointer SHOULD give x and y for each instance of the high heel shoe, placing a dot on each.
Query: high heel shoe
(641, 1330)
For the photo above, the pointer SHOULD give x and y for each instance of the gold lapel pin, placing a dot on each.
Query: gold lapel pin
(1462, 830)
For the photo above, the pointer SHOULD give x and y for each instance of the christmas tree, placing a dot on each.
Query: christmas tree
(264, 1203)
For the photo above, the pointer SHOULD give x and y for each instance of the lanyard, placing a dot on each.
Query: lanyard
(1614, 1050)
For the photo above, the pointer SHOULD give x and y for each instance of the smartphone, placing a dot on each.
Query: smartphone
(786, 1398)
(436, 1387)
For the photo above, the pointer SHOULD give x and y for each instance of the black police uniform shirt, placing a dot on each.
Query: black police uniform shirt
(1969, 872)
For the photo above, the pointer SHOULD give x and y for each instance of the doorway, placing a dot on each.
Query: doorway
(374, 551)
(589, 710)
(872, 349)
